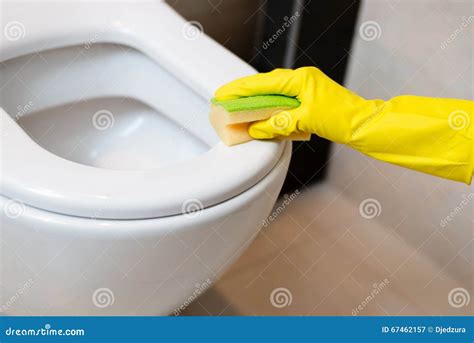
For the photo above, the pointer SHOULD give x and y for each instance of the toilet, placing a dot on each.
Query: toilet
(117, 197)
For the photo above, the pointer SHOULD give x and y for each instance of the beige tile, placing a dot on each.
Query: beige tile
(331, 267)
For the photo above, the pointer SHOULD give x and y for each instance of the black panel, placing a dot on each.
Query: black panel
(270, 55)
(324, 40)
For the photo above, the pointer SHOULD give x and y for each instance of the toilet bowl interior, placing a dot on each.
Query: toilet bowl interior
(105, 105)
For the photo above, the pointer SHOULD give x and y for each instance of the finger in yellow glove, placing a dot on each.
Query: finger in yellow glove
(431, 135)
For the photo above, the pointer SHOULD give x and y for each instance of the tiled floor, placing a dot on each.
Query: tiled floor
(321, 257)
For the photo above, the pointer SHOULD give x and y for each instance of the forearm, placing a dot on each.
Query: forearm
(431, 135)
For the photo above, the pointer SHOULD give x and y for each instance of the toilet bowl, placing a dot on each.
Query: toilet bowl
(117, 196)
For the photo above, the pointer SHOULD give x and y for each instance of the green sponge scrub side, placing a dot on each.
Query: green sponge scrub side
(256, 102)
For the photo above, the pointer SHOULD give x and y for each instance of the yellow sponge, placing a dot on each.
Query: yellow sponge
(231, 118)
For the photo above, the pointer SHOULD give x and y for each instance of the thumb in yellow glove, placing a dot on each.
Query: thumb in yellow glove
(431, 135)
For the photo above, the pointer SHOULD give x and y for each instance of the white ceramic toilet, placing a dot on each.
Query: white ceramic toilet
(117, 197)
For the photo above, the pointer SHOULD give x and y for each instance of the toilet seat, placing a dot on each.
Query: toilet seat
(41, 179)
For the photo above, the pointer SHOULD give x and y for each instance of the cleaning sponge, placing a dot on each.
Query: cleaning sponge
(231, 118)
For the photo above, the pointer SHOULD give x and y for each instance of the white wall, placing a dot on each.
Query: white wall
(411, 57)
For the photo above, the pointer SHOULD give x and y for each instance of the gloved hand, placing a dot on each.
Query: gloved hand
(431, 135)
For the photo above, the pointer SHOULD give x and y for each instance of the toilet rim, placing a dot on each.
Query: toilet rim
(49, 182)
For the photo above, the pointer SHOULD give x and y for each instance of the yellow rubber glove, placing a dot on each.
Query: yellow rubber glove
(431, 135)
